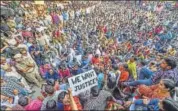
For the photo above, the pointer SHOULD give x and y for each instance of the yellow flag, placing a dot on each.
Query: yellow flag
(39, 2)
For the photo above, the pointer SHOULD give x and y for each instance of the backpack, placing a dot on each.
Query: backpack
(111, 83)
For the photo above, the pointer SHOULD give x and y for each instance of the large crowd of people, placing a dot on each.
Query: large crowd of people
(131, 46)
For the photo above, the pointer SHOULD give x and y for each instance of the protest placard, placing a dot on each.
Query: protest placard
(83, 82)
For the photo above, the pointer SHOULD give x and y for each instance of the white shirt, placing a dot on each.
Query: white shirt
(47, 38)
(169, 47)
(79, 58)
(78, 12)
(98, 52)
(16, 98)
(175, 24)
(72, 14)
(88, 10)
(40, 29)
(72, 51)
(22, 46)
(29, 29)
(90, 56)
(41, 22)
(6, 103)
(48, 17)
(13, 73)
(60, 5)
(61, 18)
(11, 42)
(41, 41)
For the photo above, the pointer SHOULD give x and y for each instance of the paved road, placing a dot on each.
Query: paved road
(37, 91)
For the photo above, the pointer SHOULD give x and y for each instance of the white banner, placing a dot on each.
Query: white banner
(83, 82)
(39, 2)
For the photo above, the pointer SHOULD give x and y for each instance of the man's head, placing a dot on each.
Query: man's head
(115, 67)
(95, 91)
(143, 63)
(34, 43)
(23, 52)
(133, 59)
(18, 57)
(63, 97)
(2, 60)
(47, 66)
(7, 68)
(76, 66)
(51, 105)
(84, 57)
(168, 64)
(38, 34)
(49, 89)
(46, 47)
(96, 55)
(168, 103)
(123, 66)
(51, 71)
(50, 82)
(23, 101)
(152, 64)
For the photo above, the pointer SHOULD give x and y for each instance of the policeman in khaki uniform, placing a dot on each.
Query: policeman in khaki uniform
(27, 69)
